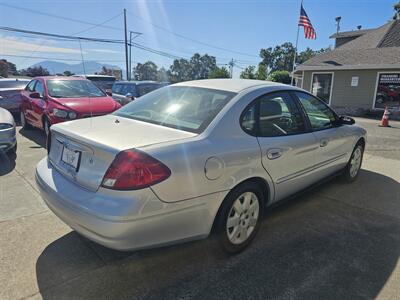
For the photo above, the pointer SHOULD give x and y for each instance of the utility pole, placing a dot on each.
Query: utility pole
(130, 50)
(126, 47)
(231, 64)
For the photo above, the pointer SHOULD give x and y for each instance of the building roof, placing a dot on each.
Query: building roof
(351, 33)
(370, 49)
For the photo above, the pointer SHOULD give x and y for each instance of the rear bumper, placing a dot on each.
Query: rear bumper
(8, 139)
(125, 220)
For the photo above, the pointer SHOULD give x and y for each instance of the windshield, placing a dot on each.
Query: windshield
(13, 84)
(73, 89)
(186, 108)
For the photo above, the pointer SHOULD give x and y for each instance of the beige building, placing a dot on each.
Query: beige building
(362, 73)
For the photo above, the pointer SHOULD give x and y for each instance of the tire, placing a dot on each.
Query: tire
(13, 150)
(353, 167)
(243, 208)
(24, 123)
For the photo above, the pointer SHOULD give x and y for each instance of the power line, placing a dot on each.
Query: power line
(120, 29)
(55, 58)
(191, 39)
(97, 25)
(70, 38)
(58, 17)
(65, 37)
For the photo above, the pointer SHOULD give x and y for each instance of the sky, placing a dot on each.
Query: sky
(225, 29)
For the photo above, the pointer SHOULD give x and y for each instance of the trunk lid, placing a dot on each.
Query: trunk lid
(97, 141)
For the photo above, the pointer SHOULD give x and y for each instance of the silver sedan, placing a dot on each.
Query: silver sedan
(8, 140)
(194, 158)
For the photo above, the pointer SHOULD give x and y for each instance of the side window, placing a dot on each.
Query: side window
(279, 116)
(319, 114)
(30, 86)
(116, 88)
(248, 120)
(39, 88)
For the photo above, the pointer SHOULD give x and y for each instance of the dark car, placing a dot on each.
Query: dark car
(10, 93)
(126, 91)
(105, 82)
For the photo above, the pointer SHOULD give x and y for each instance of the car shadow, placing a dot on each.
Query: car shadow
(329, 243)
(35, 135)
(7, 162)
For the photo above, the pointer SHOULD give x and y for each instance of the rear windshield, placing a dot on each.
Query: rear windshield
(73, 89)
(187, 108)
(13, 84)
(102, 78)
(143, 89)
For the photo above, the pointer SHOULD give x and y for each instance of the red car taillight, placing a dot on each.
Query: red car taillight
(133, 170)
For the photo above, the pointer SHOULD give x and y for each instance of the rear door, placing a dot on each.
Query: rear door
(26, 106)
(38, 104)
(287, 148)
(333, 146)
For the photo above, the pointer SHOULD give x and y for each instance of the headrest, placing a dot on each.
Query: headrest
(270, 110)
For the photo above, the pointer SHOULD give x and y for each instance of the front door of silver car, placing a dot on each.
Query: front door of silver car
(333, 144)
(287, 148)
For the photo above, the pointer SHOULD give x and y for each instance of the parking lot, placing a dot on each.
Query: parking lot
(339, 241)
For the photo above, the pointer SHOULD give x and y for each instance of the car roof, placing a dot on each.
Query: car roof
(60, 78)
(15, 79)
(231, 85)
(138, 82)
(94, 75)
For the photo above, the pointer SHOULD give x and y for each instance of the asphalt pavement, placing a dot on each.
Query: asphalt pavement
(338, 241)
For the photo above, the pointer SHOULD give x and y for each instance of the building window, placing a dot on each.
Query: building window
(388, 90)
(321, 86)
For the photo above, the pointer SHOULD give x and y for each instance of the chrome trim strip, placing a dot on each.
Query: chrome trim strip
(309, 169)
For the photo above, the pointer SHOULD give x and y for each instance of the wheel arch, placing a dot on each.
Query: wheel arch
(261, 182)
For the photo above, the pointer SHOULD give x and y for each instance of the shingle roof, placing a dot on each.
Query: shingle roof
(370, 39)
(351, 33)
(374, 47)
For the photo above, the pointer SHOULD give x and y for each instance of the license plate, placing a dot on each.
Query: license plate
(71, 157)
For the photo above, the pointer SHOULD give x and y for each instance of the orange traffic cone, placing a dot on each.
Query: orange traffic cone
(385, 118)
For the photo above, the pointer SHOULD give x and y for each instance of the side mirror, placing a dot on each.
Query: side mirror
(130, 96)
(108, 92)
(35, 95)
(346, 120)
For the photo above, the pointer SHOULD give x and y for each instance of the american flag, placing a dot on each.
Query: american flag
(304, 21)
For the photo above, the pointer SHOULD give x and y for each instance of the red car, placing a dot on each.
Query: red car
(53, 99)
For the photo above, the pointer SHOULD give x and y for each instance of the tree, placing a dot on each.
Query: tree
(7, 68)
(219, 73)
(397, 11)
(198, 67)
(201, 66)
(3, 68)
(280, 58)
(280, 76)
(162, 75)
(35, 71)
(146, 71)
(248, 73)
(261, 73)
(68, 73)
(180, 70)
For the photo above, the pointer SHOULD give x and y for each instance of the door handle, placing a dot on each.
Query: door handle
(274, 153)
(323, 143)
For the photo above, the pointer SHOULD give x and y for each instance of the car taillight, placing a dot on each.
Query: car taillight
(133, 170)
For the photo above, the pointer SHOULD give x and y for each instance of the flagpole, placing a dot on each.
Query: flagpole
(295, 49)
